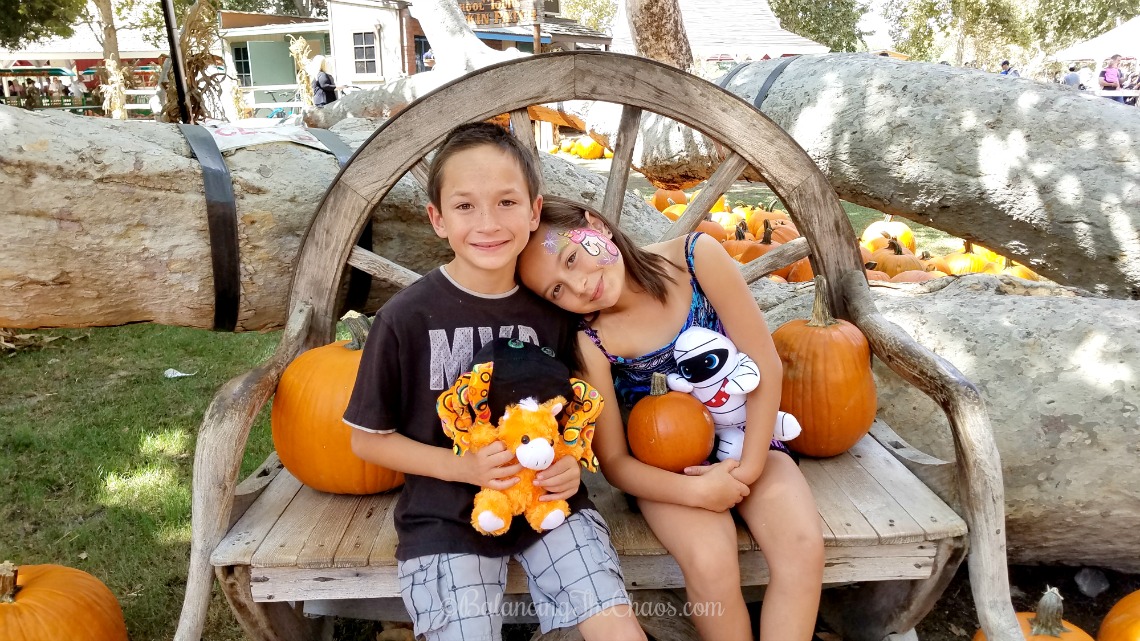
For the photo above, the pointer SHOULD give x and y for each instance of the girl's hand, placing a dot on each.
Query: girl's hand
(560, 480)
(489, 467)
(718, 490)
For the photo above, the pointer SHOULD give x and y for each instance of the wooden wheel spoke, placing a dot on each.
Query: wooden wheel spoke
(381, 267)
(779, 257)
(524, 129)
(419, 171)
(620, 165)
(717, 184)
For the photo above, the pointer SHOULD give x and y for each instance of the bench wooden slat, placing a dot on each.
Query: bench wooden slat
(874, 501)
(384, 545)
(847, 525)
(243, 539)
(321, 545)
(843, 565)
(285, 541)
(628, 532)
(360, 536)
(933, 515)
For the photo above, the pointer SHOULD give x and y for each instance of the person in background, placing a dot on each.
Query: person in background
(78, 89)
(14, 89)
(55, 88)
(31, 95)
(1073, 79)
(1110, 77)
(324, 87)
(1008, 70)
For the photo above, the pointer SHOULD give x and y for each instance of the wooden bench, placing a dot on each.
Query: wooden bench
(281, 550)
(334, 555)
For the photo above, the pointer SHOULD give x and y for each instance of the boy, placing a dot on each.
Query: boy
(483, 187)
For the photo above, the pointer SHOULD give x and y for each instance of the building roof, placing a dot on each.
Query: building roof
(84, 45)
(755, 32)
(553, 30)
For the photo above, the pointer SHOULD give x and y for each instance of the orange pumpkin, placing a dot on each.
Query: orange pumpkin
(663, 198)
(1020, 271)
(740, 241)
(712, 229)
(669, 430)
(800, 271)
(759, 248)
(875, 244)
(313, 442)
(874, 274)
(783, 232)
(1122, 623)
(1047, 625)
(673, 212)
(759, 215)
(893, 259)
(893, 228)
(827, 380)
(53, 602)
(913, 276)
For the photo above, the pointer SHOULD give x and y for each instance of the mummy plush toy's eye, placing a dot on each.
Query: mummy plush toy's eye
(711, 361)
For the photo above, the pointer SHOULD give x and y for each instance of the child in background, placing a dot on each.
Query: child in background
(484, 191)
(635, 303)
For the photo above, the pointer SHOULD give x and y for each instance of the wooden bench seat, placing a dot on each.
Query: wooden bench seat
(879, 521)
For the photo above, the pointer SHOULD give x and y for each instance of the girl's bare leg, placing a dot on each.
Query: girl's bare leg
(781, 514)
(704, 545)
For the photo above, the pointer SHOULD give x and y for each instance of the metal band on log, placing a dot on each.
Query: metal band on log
(221, 216)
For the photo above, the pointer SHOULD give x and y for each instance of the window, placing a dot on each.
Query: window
(552, 7)
(364, 51)
(241, 65)
(422, 47)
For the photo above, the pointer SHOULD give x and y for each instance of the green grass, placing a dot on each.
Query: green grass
(96, 449)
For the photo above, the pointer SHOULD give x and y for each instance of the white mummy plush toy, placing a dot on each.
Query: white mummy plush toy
(712, 370)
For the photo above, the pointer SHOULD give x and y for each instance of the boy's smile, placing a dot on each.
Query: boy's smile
(486, 214)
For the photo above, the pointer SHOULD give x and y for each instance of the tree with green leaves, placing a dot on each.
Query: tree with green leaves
(834, 23)
(26, 21)
(1057, 24)
(988, 28)
(595, 14)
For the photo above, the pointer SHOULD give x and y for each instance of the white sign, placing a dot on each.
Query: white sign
(234, 137)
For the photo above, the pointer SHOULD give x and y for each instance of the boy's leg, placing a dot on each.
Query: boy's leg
(575, 579)
(454, 597)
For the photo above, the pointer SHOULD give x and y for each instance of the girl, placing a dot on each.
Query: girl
(635, 302)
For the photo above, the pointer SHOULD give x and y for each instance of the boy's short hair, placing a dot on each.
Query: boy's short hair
(482, 133)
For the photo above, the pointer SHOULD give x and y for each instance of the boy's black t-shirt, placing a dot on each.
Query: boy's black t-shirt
(421, 341)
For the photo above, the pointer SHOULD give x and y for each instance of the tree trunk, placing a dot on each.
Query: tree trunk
(1058, 376)
(657, 30)
(107, 33)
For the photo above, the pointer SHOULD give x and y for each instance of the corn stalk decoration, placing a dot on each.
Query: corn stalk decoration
(299, 49)
(114, 96)
(204, 71)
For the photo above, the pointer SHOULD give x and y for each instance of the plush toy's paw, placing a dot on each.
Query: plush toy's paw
(729, 443)
(553, 520)
(548, 515)
(678, 383)
(488, 523)
(787, 427)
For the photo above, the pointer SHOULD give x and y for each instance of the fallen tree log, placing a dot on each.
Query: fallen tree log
(1059, 376)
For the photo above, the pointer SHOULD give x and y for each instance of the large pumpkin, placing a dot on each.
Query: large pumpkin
(313, 442)
(1123, 621)
(827, 380)
(1046, 624)
(894, 259)
(57, 603)
(669, 430)
(893, 228)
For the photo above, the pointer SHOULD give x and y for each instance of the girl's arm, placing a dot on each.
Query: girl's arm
(720, 278)
(715, 490)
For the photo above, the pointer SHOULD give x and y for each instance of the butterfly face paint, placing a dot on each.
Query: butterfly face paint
(595, 243)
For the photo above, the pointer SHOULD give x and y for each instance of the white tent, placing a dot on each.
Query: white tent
(1123, 40)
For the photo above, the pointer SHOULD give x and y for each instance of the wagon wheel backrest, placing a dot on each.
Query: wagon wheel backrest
(400, 145)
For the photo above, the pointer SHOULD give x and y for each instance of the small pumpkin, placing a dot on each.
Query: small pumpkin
(663, 198)
(784, 232)
(893, 259)
(913, 276)
(1122, 623)
(669, 430)
(712, 229)
(673, 212)
(57, 603)
(1047, 625)
(800, 271)
(759, 248)
(587, 148)
(827, 381)
(893, 228)
(313, 442)
(739, 242)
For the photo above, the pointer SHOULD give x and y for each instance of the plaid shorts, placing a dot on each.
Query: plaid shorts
(573, 572)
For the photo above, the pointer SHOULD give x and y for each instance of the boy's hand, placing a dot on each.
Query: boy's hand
(718, 490)
(489, 467)
(560, 480)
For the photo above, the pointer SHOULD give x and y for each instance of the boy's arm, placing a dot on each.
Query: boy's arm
(487, 467)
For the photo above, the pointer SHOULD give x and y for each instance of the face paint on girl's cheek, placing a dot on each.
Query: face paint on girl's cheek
(595, 244)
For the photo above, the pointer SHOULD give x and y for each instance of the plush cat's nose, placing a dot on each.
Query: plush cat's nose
(525, 440)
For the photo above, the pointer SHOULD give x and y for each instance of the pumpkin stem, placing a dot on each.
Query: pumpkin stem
(888, 217)
(8, 572)
(820, 314)
(767, 238)
(1048, 619)
(895, 246)
(741, 229)
(657, 386)
(358, 325)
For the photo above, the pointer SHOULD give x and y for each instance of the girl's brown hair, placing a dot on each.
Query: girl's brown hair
(648, 270)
